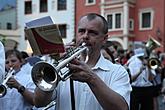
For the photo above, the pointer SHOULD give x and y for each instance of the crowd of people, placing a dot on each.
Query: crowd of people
(104, 77)
(147, 75)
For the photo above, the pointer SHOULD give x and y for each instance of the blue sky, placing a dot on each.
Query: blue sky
(4, 2)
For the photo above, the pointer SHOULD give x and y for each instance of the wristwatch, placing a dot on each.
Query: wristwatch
(21, 89)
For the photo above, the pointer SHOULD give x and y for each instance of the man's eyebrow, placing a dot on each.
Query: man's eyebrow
(90, 30)
(81, 29)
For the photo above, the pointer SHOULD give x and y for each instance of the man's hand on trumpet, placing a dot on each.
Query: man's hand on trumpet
(80, 71)
(13, 83)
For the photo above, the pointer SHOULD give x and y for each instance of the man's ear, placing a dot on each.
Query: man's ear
(105, 38)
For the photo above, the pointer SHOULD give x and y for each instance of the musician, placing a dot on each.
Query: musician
(98, 83)
(142, 77)
(107, 53)
(20, 86)
(2, 62)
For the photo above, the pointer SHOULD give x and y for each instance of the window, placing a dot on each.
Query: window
(61, 5)
(118, 20)
(9, 26)
(28, 7)
(43, 6)
(109, 19)
(146, 19)
(114, 21)
(131, 24)
(90, 2)
(62, 28)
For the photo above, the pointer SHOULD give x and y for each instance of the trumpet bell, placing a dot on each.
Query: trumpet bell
(45, 76)
(153, 63)
(3, 91)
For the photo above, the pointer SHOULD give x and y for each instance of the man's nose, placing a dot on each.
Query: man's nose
(11, 64)
(86, 36)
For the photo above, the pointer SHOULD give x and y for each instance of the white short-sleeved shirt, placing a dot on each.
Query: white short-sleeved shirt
(2, 62)
(13, 100)
(115, 76)
(142, 80)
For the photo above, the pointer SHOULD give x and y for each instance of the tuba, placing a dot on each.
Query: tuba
(3, 86)
(152, 44)
(153, 61)
(46, 76)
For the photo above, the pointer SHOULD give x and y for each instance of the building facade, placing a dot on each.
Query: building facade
(9, 32)
(130, 22)
(61, 11)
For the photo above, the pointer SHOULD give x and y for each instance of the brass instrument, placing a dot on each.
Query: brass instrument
(153, 61)
(46, 76)
(3, 86)
(51, 104)
(152, 44)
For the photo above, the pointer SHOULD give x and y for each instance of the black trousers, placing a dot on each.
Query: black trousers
(142, 98)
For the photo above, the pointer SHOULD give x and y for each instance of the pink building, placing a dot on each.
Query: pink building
(130, 21)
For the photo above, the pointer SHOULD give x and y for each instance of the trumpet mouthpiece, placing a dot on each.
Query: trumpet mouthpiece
(83, 44)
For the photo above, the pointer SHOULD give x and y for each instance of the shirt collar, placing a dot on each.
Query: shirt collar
(103, 64)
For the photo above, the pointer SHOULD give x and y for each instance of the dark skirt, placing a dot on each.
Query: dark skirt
(142, 97)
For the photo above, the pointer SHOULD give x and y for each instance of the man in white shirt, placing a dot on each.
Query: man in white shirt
(98, 84)
(142, 88)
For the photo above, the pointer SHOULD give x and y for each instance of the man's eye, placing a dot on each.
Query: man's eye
(13, 61)
(81, 30)
(93, 33)
(7, 62)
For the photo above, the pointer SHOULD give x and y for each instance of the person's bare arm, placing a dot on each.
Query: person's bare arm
(42, 98)
(27, 94)
(107, 98)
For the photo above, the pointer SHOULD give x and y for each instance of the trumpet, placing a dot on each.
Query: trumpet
(46, 76)
(51, 104)
(3, 86)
